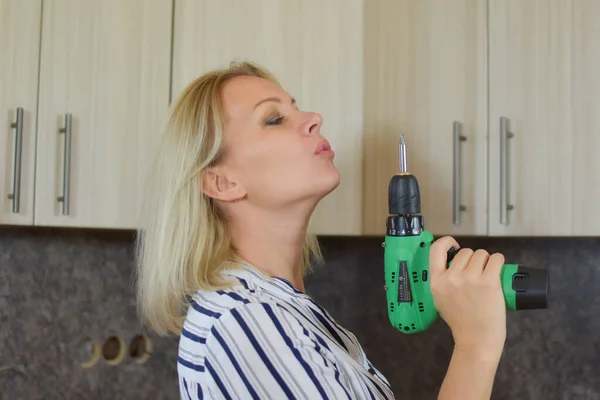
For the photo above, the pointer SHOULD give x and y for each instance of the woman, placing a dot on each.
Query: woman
(224, 248)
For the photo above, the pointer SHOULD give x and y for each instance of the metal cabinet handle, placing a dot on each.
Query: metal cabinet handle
(505, 134)
(15, 196)
(457, 138)
(66, 189)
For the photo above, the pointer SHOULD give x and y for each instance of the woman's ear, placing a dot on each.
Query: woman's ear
(217, 185)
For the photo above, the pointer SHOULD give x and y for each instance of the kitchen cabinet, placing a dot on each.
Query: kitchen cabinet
(84, 92)
(520, 80)
(544, 118)
(426, 78)
(103, 95)
(19, 46)
(499, 101)
(315, 49)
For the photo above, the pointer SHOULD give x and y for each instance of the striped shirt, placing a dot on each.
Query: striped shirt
(263, 339)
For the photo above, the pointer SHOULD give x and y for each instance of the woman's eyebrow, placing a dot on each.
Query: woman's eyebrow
(273, 99)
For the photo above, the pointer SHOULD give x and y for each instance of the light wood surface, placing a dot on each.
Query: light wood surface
(544, 78)
(19, 52)
(315, 49)
(107, 64)
(425, 67)
(374, 69)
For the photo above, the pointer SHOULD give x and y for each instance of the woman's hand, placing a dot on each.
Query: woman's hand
(469, 297)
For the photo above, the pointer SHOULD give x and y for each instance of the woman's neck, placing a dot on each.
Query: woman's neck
(271, 242)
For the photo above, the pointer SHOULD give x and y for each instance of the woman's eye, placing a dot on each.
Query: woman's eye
(275, 121)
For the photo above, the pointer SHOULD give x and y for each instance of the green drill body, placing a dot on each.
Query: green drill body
(407, 244)
(409, 298)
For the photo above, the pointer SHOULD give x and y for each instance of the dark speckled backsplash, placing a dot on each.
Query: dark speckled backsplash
(60, 286)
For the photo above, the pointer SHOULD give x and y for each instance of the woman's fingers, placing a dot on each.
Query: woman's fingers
(477, 263)
(493, 268)
(468, 296)
(461, 260)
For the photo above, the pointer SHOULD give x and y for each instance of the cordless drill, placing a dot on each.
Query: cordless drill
(406, 259)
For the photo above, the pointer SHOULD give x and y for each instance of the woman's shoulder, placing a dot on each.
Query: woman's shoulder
(207, 307)
(216, 315)
(249, 290)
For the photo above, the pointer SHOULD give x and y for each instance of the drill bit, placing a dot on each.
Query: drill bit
(402, 153)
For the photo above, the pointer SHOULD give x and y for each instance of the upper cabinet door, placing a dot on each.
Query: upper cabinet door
(19, 49)
(426, 78)
(314, 49)
(104, 93)
(544, 117)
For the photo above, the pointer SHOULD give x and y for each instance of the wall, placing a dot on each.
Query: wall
(58, 286)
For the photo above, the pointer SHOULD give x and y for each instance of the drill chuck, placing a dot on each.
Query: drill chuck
(404, 203)
(404, 196)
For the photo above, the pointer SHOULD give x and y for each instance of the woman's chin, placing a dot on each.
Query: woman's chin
(328, 182)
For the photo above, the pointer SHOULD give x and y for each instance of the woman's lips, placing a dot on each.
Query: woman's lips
(324, 149)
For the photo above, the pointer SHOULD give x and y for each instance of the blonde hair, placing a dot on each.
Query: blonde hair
(183, 243)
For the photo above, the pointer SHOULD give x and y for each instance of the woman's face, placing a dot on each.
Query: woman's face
(274, 154)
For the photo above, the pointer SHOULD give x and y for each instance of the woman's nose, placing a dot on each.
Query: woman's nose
(312, 124)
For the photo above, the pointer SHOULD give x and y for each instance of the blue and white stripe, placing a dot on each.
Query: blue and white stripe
(263, 339)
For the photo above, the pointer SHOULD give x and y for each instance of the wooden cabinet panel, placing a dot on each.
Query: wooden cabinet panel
(426, 71)
(315, 49)
(106, 64)
(429, 70)
(544, 82)
(19, 47)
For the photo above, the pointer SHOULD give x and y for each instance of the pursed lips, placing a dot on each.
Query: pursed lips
(323, 146)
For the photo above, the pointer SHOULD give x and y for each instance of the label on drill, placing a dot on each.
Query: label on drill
(404, 292)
